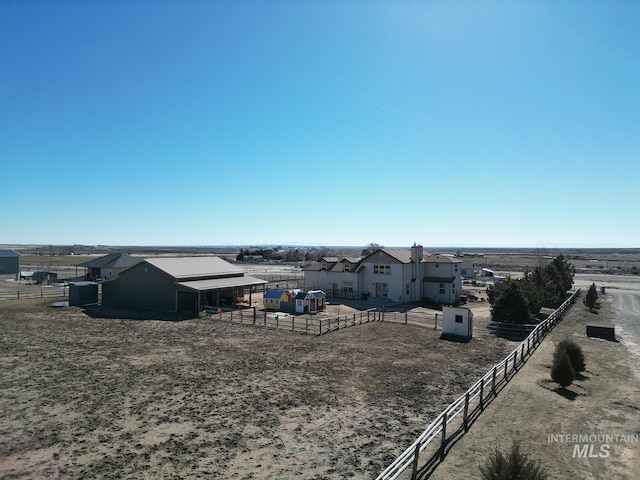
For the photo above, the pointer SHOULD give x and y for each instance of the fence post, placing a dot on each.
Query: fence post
(482, 393)
(293, 323)
(265, 318)
(414, 473)
(405, 316)
(306, 324)
(435, 327)
(254, 315)
(444, 435)
(506, 362)
(18, 294)
(493, 381)
(466, 411)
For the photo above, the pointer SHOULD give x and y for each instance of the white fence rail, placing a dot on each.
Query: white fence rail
(472, 402)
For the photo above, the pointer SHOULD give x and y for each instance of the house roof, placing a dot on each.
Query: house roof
(112, 260)
(189, 267)
(314, 267)
(226, 282)
(441, 259)
(9, 253)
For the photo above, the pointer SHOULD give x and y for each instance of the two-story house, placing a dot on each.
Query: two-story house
(399, 275)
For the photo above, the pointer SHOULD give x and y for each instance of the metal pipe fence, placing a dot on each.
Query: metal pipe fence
(468, 406)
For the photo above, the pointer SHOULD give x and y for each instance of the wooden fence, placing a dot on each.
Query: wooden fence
(34, 293)
(467, 407)
(318, 324)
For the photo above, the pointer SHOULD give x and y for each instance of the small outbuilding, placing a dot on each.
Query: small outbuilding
(312, 301)
(282, 300)
(83, 293)
(457, 322)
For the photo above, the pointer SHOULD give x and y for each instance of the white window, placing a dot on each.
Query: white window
(458, 318)
(382, 269)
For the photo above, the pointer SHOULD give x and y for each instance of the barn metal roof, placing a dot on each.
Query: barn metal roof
(9, 253)
(189, 267)
(216, 283)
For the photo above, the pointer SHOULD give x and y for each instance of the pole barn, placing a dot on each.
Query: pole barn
(9, 262)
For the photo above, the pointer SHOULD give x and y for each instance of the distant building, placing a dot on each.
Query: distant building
(486, 272)
(109, 266)
(9, 262)
(44, 277)
(467, 269)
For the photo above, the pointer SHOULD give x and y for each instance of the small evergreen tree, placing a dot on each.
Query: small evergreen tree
(575, 354)
(592, 297)
(515, 465)
(510, 306)
(561, 370)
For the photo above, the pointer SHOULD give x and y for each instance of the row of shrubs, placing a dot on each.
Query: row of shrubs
(568, 361)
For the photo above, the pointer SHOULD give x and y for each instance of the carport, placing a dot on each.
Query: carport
(215, 292)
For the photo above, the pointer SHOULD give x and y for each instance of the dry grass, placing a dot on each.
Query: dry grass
(85, 396)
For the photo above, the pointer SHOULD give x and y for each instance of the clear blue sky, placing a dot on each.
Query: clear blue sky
(447, 123)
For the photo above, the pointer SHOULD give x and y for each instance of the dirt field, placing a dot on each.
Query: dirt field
(604, 401)
(87, 396)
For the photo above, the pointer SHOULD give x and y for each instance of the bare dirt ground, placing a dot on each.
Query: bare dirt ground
(88, 396)
(604, 401)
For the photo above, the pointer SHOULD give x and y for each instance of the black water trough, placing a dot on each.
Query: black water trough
(602, 330)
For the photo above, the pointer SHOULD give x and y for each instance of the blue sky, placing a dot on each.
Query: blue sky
(447, 123)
